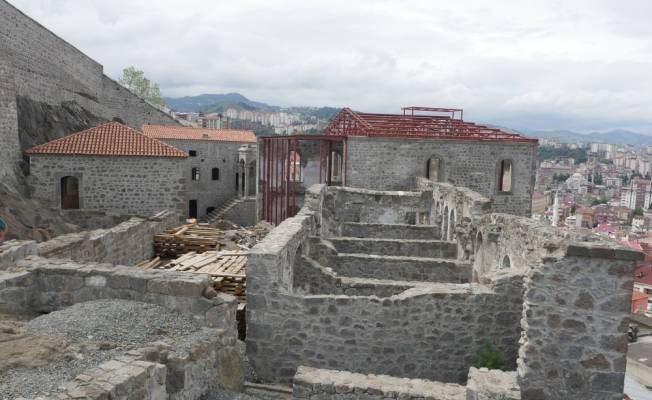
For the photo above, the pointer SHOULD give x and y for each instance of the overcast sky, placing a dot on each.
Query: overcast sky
(574, 64)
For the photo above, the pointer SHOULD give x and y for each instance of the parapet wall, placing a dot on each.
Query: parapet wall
(47, 285)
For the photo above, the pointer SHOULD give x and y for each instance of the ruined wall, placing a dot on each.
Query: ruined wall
(372, 207)
(127, 243)
(46, 285)
(430, 332)
(195, 366)
(575, 320)
(210, 154)
(318, 384)
(122, 185)
(392, 164)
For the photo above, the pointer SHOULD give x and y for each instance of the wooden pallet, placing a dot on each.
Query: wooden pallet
(226, 268)
(186, 239)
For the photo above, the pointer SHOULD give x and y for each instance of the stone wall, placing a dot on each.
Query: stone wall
(577, 299)
(392, 164)
(441, 326)
(322, 384)
(47, 285)
(14, 250)
(40, 66)
(121, 185)
(9, 143)
(127, 243)
(187, 369)
(372, 207)
(210, 154)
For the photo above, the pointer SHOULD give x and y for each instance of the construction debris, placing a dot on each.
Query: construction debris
(226, 268)
(187, 238)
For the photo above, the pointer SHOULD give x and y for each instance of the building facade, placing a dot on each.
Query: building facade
(110, 168)
(214, 171)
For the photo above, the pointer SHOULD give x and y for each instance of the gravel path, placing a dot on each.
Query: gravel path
(95, 332)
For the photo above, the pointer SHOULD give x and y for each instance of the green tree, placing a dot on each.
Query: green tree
(135, 80)
(638, 211)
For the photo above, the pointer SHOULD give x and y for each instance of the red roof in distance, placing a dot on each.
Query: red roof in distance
(409, 124)
(110, 139)
(189, 133)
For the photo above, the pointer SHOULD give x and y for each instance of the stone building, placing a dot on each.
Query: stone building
(111, 168)
(387, 151)
(215, 172)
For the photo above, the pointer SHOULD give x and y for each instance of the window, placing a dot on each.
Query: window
(433, 169)
(505, 176)
(507, 263)
(194, 174)
(237, 182)
(192, 153)
(215, 174)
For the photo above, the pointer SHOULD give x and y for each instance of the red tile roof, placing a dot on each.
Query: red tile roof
(188, 133)
(110, 139)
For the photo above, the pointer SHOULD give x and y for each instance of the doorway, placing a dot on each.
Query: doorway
(70, 193)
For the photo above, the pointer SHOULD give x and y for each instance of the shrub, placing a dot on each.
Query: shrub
(490, 357)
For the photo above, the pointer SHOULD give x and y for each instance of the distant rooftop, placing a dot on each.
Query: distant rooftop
(443, 123)
(110, 139)
(189, 133)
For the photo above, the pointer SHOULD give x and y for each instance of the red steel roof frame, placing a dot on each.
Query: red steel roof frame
(353, 123)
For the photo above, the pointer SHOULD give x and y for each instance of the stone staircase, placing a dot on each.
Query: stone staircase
(219, 213)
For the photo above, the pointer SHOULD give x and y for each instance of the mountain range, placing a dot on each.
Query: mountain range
(221, 102)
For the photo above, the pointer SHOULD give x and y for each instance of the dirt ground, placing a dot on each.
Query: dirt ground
(20, 349)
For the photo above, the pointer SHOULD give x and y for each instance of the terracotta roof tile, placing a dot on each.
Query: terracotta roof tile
(110, 139)
(188, 133)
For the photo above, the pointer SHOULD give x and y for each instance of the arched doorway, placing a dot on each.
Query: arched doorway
(70, 193)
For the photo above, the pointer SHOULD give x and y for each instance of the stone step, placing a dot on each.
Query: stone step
(399, 268)
(396, 247)
(391, 231)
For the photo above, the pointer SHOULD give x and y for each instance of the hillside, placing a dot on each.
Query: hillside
(615, 137)
(204, 102)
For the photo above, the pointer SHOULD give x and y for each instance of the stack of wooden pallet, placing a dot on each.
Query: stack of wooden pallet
(185, 239)
(227, 269)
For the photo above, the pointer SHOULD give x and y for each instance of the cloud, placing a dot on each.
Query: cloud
(528, 65)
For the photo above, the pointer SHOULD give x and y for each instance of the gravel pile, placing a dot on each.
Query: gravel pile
(117, 321)
(96, 332)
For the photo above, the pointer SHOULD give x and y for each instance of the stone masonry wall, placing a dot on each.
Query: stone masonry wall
(321, 384)
(392, 164)
(575, 320)
(9, 143)
(122, 185)
(441, 327)
(127, 243)
(372, 206)
(47, 285)
(185, 369)
(37, 64)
